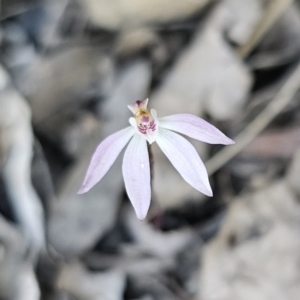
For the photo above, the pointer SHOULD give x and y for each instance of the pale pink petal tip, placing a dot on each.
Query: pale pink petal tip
(209, 193)
(81, 191)
(230, 142)
(137, 105)
(141, 215)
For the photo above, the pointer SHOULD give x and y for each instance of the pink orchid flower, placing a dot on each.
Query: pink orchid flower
(145, 126)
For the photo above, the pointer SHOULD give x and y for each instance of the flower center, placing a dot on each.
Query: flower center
(146, 124)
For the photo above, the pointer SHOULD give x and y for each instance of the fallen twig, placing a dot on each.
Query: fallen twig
(282, 98)
(271, 15)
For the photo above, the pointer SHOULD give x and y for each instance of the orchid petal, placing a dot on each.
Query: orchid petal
(134, 107)
(195, 128)
(136, 173)
(104, 156)
(185, 159)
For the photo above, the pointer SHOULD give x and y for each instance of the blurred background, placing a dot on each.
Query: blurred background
(68, 70)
